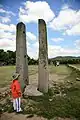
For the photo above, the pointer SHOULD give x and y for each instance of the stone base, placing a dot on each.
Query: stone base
(31, 90)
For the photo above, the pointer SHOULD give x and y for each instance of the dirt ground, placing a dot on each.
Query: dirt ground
(13, 116)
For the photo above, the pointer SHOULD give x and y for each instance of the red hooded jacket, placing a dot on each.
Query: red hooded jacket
(16, 89)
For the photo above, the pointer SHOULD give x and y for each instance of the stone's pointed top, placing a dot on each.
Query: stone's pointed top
(41, 21)
(20, 23)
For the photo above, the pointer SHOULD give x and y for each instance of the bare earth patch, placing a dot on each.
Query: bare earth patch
(13, 116)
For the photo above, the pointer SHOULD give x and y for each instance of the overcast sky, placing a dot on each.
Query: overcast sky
(63, 25)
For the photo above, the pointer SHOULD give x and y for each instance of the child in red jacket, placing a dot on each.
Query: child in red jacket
(16, 93)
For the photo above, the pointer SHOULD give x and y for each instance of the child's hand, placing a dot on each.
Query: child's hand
(19, 93)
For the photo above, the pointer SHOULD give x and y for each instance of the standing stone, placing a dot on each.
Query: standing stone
(21, 55)
(43, 58)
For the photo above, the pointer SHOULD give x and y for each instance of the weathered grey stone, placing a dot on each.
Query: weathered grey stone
(31, 90)
(77, 79)
(43, 76)
(21, 55)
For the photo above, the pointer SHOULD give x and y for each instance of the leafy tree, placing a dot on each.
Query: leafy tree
(9, 58)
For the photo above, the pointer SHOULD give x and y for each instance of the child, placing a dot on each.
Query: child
(16, 93)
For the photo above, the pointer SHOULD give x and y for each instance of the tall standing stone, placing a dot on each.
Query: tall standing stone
(43, 75)
(21, 55)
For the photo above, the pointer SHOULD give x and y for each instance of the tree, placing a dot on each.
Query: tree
(9, 58)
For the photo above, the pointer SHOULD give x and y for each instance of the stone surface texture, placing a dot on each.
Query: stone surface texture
(43, 76)
(21, 55)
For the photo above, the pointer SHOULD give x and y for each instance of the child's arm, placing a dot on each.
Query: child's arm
(18, 88)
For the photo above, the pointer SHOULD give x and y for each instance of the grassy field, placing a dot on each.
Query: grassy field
(5, 75)
(7, 71)
(62, 99)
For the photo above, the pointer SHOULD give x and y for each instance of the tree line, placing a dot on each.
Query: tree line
(9, 58)
(65, 60)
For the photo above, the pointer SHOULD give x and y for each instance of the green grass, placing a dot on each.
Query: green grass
(5, 75)
(52, 104)
(65, 107)
(60, 70)
(7, 71)
(59, 106)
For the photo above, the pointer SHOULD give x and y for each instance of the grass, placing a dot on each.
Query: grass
(65, 107)
(60, 70)
(53, 104)
(5, 75)
(7, 71)
(59, 106)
